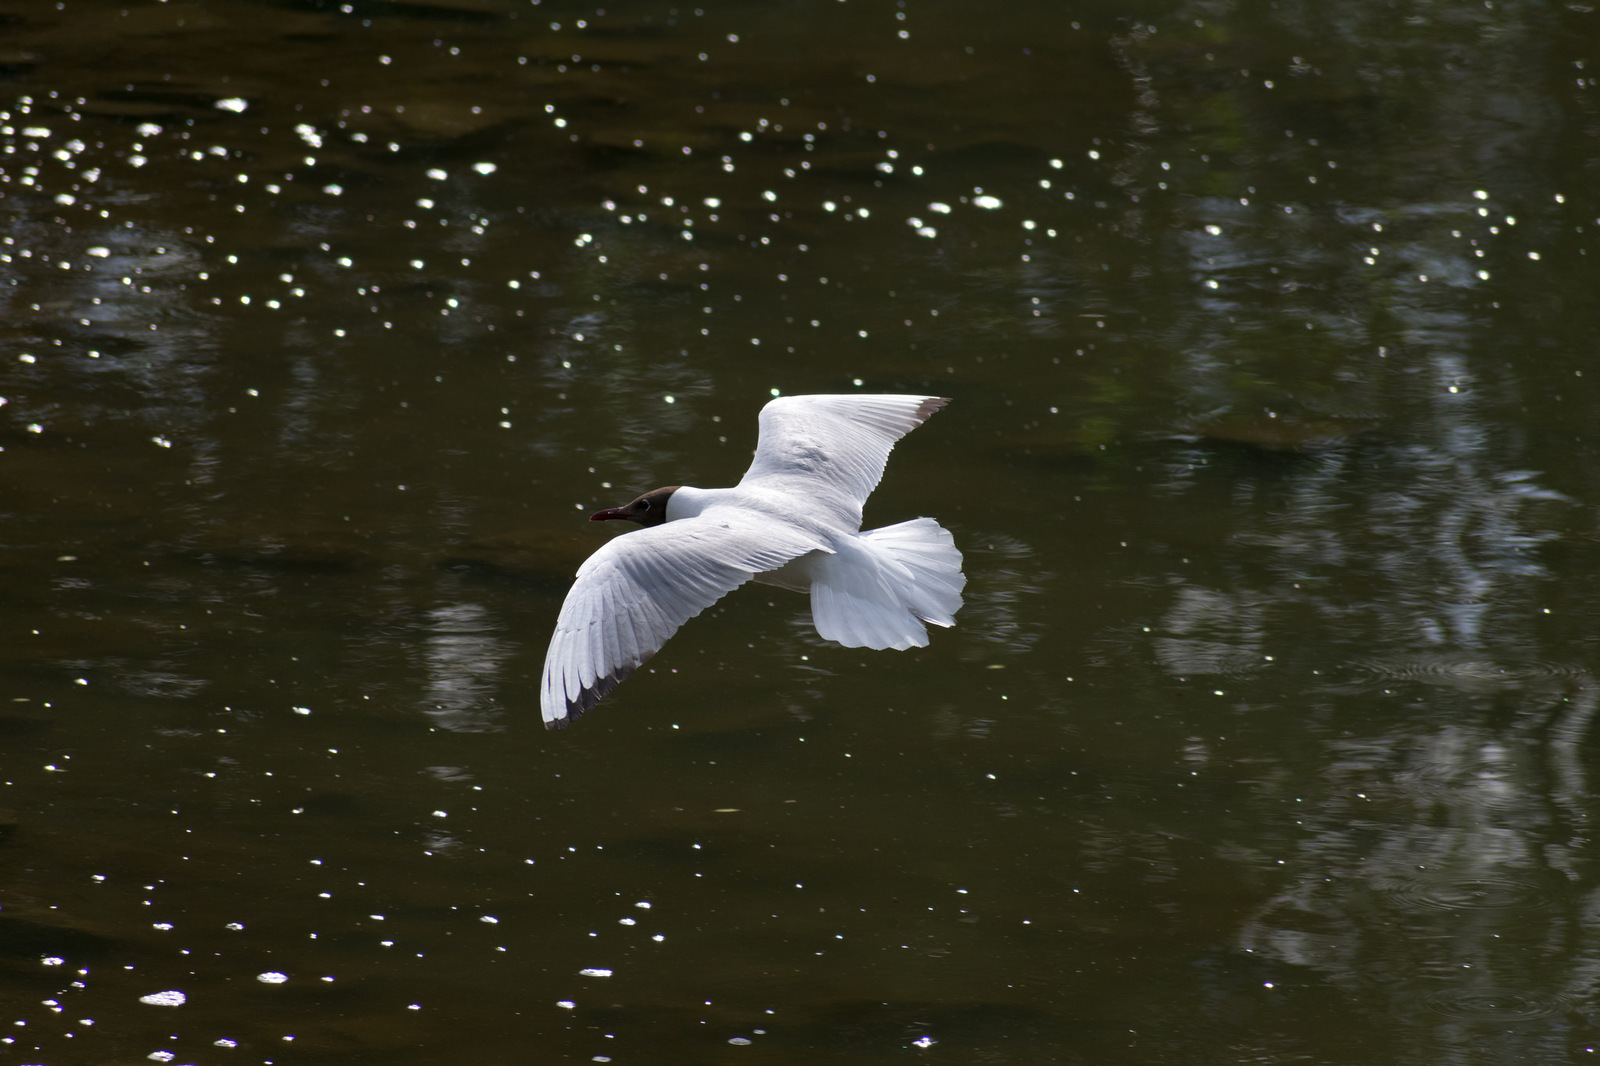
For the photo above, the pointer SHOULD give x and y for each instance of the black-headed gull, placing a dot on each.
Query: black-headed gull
(793, 521)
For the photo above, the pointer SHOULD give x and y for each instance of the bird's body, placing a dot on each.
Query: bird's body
(793, 521)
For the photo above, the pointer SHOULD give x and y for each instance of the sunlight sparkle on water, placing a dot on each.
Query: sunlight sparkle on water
(171, 998)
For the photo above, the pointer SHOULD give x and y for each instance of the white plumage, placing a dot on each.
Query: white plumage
(794, 520)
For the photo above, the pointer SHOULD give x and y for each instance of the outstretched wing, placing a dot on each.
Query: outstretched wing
(635, 592)
(831, 450)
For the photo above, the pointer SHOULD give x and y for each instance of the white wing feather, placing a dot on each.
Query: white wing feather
(634, 593)
(831, 450)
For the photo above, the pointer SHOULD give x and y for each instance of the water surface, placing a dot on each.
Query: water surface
(1266, 733)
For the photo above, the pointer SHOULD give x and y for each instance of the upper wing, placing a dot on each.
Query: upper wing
(832, 449)
(635, 592)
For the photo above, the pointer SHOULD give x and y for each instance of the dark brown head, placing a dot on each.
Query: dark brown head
(648, 510)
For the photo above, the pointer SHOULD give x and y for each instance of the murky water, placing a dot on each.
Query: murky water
(1266, 733)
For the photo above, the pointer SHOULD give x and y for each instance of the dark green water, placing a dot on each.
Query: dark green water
(1266, 734)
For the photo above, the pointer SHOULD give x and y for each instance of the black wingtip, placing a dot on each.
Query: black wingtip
(589, 697)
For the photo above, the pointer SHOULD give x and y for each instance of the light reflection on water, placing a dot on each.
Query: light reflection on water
(465, 658)
(1266, 726)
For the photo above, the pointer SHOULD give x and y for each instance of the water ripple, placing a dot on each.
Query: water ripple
(1494, 1004)
(1468, 672)
(1471, 893)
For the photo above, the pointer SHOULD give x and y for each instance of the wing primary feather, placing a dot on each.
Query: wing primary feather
(613, 647)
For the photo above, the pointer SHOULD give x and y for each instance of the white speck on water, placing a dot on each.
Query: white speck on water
(988, 203)
(594, 971)
(236, 104)
(272, 977)
(172, 998)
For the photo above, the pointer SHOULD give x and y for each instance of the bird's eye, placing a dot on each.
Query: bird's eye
(644, 505)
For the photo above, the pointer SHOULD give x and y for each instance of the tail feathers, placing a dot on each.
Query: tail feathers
(879, 589)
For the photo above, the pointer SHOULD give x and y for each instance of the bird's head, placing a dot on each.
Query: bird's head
(648, 510)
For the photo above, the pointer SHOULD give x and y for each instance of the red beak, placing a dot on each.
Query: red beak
(609, 512)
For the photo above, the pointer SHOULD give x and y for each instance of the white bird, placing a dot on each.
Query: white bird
(793, 521)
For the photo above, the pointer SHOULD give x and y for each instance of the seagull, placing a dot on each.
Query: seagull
(793, 520)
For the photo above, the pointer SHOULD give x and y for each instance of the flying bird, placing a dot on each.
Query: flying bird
(793, 520)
